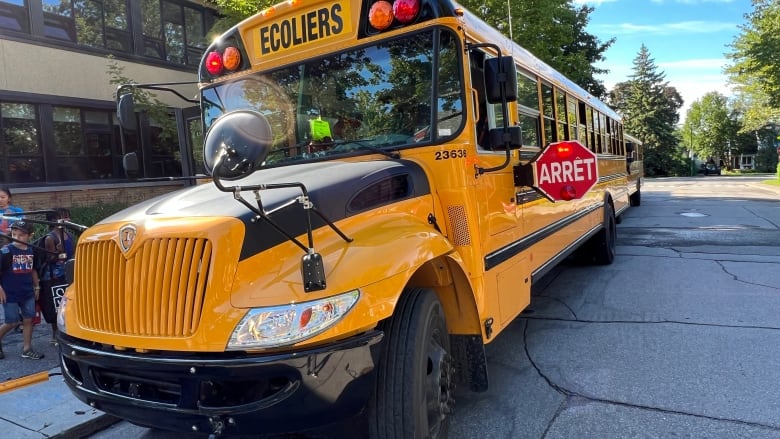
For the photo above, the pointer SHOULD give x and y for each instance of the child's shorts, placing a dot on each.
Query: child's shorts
(26, 306)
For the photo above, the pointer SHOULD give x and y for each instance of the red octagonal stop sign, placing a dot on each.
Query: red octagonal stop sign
(565, 171)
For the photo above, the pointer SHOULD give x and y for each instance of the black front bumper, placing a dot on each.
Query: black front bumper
(230, 393)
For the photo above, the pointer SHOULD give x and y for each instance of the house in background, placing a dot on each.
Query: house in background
(59, 137)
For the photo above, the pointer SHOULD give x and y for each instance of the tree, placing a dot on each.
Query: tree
(554, 31)
(755, 56)
(709, 127)
(233, 11)
(650, 108)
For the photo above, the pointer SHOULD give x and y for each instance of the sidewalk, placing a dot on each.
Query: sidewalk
(48, 409)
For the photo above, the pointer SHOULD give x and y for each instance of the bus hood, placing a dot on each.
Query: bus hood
(337, 189)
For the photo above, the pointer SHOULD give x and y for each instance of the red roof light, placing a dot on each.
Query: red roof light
(214, 63)
(406, 10)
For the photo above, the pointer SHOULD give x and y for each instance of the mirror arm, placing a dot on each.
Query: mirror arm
(160, 86)
(502, 77)
(304, 200)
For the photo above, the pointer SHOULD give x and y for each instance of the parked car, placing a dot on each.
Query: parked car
(711, 169)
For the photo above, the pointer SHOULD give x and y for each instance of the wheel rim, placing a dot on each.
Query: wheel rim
(438, 385)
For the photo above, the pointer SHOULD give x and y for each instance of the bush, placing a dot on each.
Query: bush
(82, 215)
(778, 171)
(92, 214)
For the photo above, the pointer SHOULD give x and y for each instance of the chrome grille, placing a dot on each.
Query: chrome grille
(157, 292)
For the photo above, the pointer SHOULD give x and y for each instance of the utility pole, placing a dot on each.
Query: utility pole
(509, 14)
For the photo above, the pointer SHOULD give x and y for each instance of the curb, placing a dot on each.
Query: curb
(85, 429)
(41, 405)
(7, 386)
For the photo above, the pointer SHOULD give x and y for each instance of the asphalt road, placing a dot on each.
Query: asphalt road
(678, 338)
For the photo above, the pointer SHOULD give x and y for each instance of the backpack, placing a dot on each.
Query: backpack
(39, 248)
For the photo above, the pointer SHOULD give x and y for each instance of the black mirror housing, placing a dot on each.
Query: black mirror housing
(513, 135)
(125, 112)
(130, 164)
(500, 74)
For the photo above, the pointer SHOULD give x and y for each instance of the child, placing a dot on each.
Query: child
(6, 209)
(59, 249)
(19, 286)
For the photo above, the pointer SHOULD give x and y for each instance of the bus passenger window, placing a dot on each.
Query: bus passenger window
(530, 130)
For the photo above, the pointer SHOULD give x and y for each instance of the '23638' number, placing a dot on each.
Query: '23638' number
(450, 154)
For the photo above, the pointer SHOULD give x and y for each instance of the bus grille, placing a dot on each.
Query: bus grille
(157, 292)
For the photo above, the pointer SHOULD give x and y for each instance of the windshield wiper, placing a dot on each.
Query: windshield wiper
(358, 144)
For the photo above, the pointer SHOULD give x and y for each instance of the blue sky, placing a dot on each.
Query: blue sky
(686, 38)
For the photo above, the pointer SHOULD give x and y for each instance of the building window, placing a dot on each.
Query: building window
(83, 144)
(13, 15)
(173, 32)
(164, 157)
(21, 160)
(95, 23)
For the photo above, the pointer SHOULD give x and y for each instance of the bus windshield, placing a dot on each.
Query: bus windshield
(375, 97)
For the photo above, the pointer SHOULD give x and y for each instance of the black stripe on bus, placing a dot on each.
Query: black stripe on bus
(606, 178)
(507, 252)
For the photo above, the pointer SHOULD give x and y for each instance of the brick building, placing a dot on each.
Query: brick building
(59, 138)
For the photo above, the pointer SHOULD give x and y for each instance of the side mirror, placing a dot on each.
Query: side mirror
(237, 144)
(125, 112)
(500, 74)
(513, 135)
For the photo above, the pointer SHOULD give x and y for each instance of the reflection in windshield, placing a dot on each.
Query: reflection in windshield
(375, 97)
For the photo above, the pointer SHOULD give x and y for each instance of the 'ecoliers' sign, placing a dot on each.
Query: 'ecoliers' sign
(565, 171)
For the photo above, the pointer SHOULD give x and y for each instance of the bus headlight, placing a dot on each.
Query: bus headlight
(275, 326)
(61, 314)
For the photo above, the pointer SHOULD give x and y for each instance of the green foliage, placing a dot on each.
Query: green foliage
(778, 171)
(755, 56)
(650, 110)
(708, 127)
(554, 31)
(233, 11)
(89, 215)
(766, 159)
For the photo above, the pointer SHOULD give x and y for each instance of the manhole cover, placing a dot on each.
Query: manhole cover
(693, 214)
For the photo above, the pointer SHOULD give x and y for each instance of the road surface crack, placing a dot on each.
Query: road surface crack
(570, 395)
(736, 277)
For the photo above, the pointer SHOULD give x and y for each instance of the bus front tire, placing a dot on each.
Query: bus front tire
(413, 395)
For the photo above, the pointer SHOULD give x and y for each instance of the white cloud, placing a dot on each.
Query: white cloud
(693, 78)
(680, 27)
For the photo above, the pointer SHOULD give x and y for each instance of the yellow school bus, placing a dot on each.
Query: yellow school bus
(376, 215)
(635, 168)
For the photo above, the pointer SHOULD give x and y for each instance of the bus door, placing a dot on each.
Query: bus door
(507, 272)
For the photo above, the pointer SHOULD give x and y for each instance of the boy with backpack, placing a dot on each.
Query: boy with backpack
(59, 245)
(19, 286)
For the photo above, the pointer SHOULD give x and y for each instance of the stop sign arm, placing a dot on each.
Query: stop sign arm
(524, 174)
